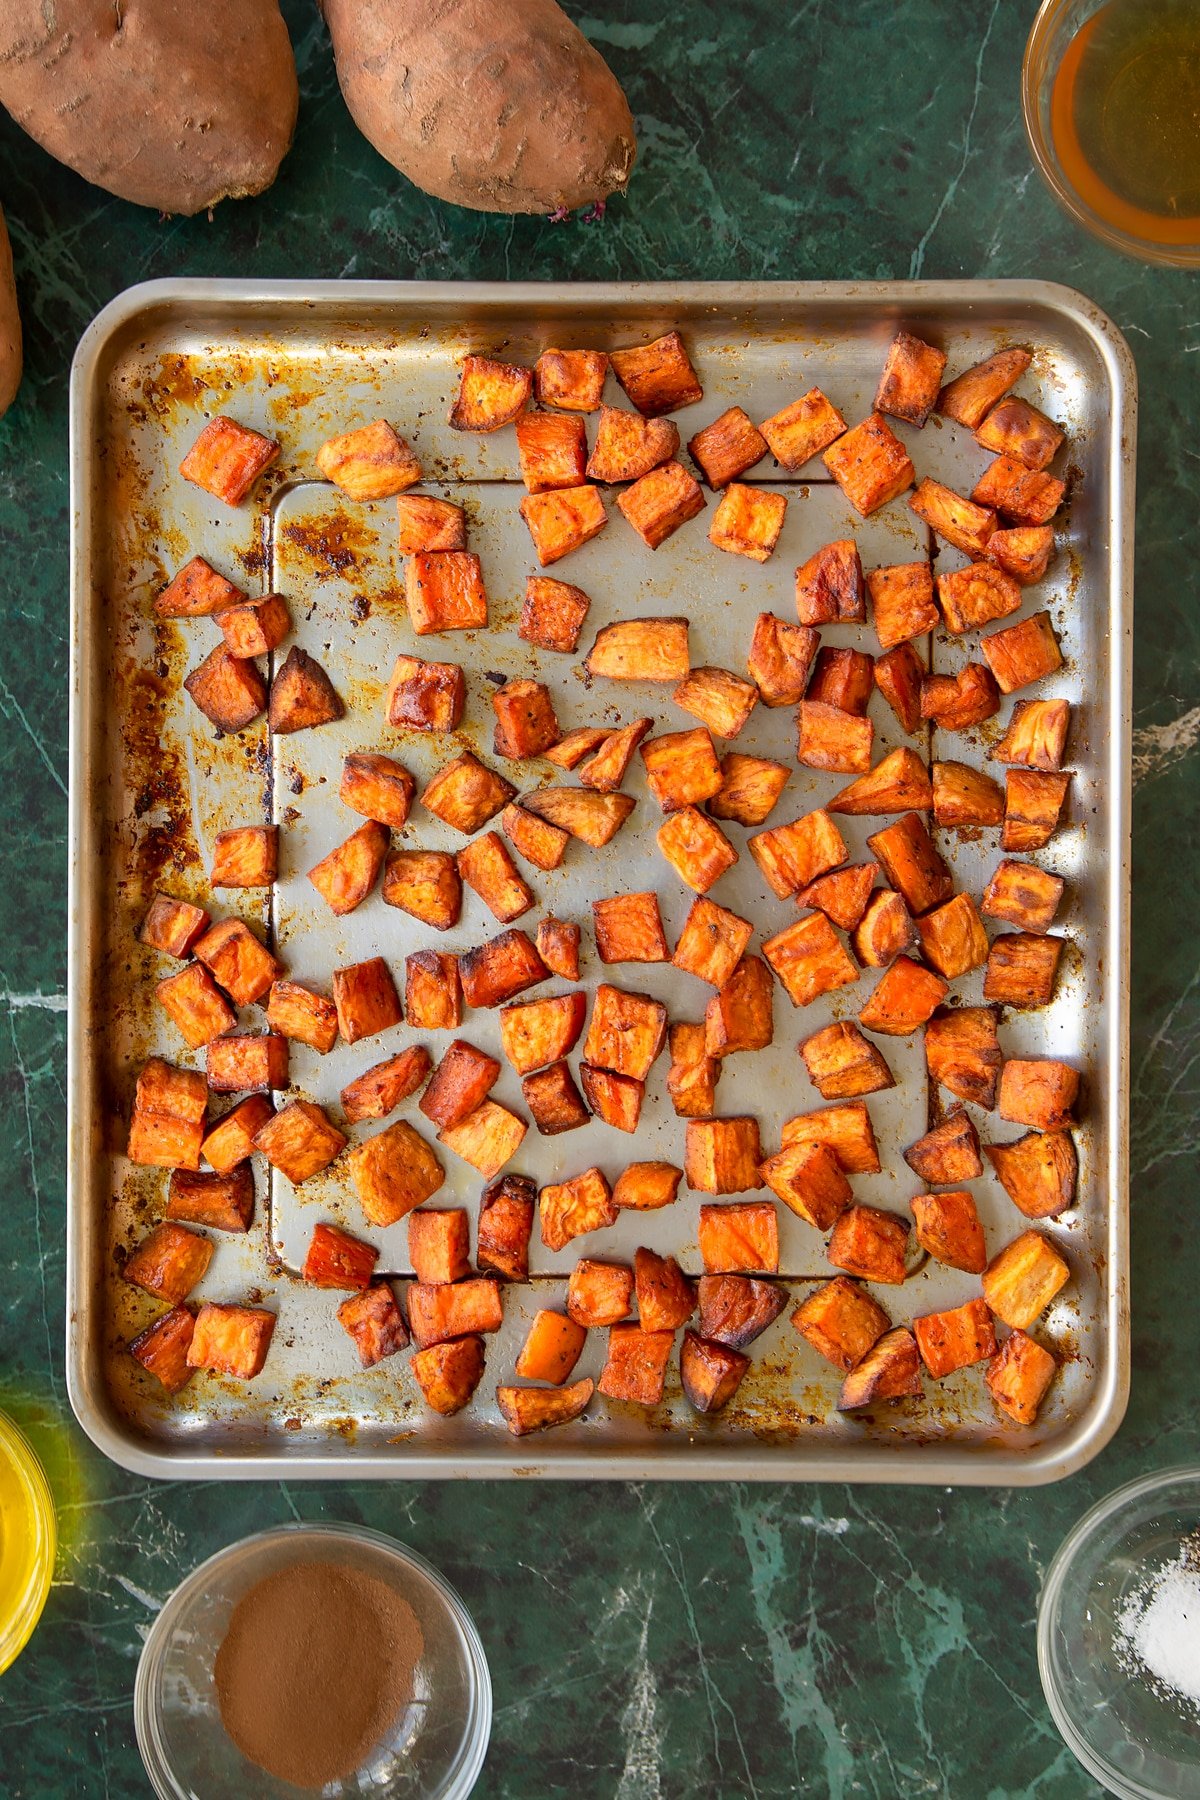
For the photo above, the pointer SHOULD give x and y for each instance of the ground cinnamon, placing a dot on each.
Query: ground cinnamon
(314, 1669)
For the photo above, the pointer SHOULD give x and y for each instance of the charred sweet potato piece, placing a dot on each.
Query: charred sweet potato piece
(466, 794)
(539, 842)
(809, 1179)
(563, 520)
(1022, 551)
(710, 1373)
(296, 1012)
(947, 1153)
(956, 702)
(1033, 803)
(692, 1076)
(371, 463)
(392, 1172)
(526, 1409)
(1018, 1377)
(1039, 1091)
(841, 1063)
(829, 586)
(658, 377)
(736, 1309)
(629, 928)
(490, 394)
(842, 895)
(636, 1366)
(505, 1222)
(976, 595)
(841, 1321)
(748, 521)
(962, 1052)
(537, 1032)
(169, 1262)
(231, 1340)
(905, 998)
(870, 1243)
(626, 1031)
(780, 659)
(346, 876)
(228, 689)
(231, 1139)
(172, 926)
(552, 449)
(885, 930)
(366, 999)
(426, 523)
(959, 521)
(552, 1348)
(381, 1089)
(568, 1209)
(727, 448)
(802, 430)
(375, 1323)
(911, 379)
(245, 856)
(439, 1244)
(628, 446)
(444, 591)
(898, 676)
(739, 1015)
(554, 1100)
(697, 850)
(500, 969)
(846, 1129)
(197, 591)
(194, 1002)
(448, 1374)
(377, 787)
(972, 394)
(571, 379)
(902, 604)
(227, 459)
(244, 967)
(682, 768)
(953, 938)
(440, 1311)
(525, 721)
(723, 701)
(244, 1061)
(790, 856)
(870, 465)
(891, 1370)
(558, 947)
(462, 1081)
(712, 942)
(487, 868)
(337, 1260)
(646, 1186)
(1038, 1172)
(605, 769)
(1015, 428)
(740, 1237)
(425, 883)
(255, 627)
(660, 502)
(1022, 894)
(912, 863)
(425, 696)
(1022, 1279)
(956, 1338)
(300, 1141)
(831, 739)
(302, 695)
(1027, 496)
(666, 1298)
(641, 650)
(948, 1229)
(897, 784)
(162, 1348)
(810, 959)
(591, 817)
(1037, 735)
(1021, 968)
(722, 1156)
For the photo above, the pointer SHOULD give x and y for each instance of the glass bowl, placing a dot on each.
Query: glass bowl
(436, 1747)
(1137, 1741)
(28, 1539)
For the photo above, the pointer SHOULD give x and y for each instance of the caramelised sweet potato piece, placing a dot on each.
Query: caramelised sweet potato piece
(660, 502)
(641, 650)
(911, 379)
(569, 1209)
(593, 818)
(571, 379)
(366, 999)
(563, 520)
(1039, 1091)
(194, 1002)
(896, 785)
(346, 876)
(956, 702)
(739, 1015)
(912, 862)
(884, 931)
(537, 1032)
(1021, 968)
(574, 746)
(1027, 496)
(169, 1262)
(870, 465)
(554, 1100)
(846, 1129)
(605, 769)
(891, 1370)
(244, 1061)
(440, 1311)
(439, 1243)
(505, 1222)
(172, 926)
(553, 614)
(842, 895)
(1022, 1279)
(973, 393)
(736, 1309)
(976, 595)
(500, 969)
(227, 459)
(425, 883)
(462, 1081)
(162, 1348)
(1037, 735)
(810, 959)
(722, 1156)
(956, 1338)
(299, 1140)
(629, 928)
(487, 868)
(448, 1374)
(712, 942)
(948, 1229)
(842, 678)
(1023, 895)
(380, 1089)
(552, 1348)
(869, 1242)
(231, 1139)
(197, 591)
(296, 1012)
(636, 1365)
(245, 856)
(490, 394)
(375, 1323)
(829, 586)
(539, 842)
(628, 446)
(693, 1074)
(1022, 551)
(727, 448)
(723, 701)
(1038, 1172)
(466, 793)
(444, 591)
(526, 1409)
(740, 1237)
(1018, 1376)
(962, 1052)
(959, 521)
(898, 676)
(255, 627)
(710, 1373)
(905, 998)
(377, 787)
(790, 856)
(803, 429)
(953, 938)
(829, 738)
(841, 1063)
(809, 1179)
(393, 1171)
(658, 377)
(370, 463)
(1015, 428)
(1033, 804)
(682, 768)
(748, 521)
(242, 965)
(337, 1260)
(558, 947)
(626, 1031)
(948, 1152)
(525, 721)
(666, 1298)
(302, 695)
(229, 690)
(427, 523)
(646, 1186)
(231, 1340)
(1022, 653)
(780, 659)
(841, 1321)
(425, 696)
(697, 850)
(552, 449)
(902, 605)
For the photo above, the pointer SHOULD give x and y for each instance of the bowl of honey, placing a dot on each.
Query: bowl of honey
(1111, 95)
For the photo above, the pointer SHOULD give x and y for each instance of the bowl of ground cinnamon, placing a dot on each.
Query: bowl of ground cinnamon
(319, 1659)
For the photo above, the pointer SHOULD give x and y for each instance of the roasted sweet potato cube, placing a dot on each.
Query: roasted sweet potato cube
(563, 520)
(897, 784)
(227, 459)
(169, 1262)
(682, 768)
(615, 1099)
(296, 1012)
(487, 1138)
(1022, 1279)
(905, 998)
(571, 379)
(439, 1243)
(1015, 428)
(231, 1139)
(558, 947)
(802, 430)
(748, 521)
(790, 856)
(898, 675)
(366, 999)
(394, 1171)
(912, 863)
(829, 586)
(377, 787)
(552, 1348)
(646, 1186)
(255, 627)
(641, 650)
(554, 1100)
(956, 702)
(1021, 968)
(172, 926)
(490, 394)
(912, 376)
(242, 965)
(809, 1179)
(1027, 496)
(841, 1063)
(245, 1061)
(902, 604)
(197, 591)
(425, 883)
(1022, 551)
(723, 701)
(302, 695)
(194, 1002)
(710, 1373)
(569, 1209)
(962, 1052)
(337, 1260)
(444, 591)
(374, 1321)
(658, 377)
(972, 394)
(371, 463)
(593, 818)
(461, 1082)
(660, 502)
(884, 931)
(1039, 1091)
(605, 769)
(842, 678)
(711, 942)
(535, 839)
(526, 1409)
(953, 938)
(810, 959)
(959, 521)
(246, 856)
(780, 659)
(1038, 1172)
(976, 595)
(346, 876)
(728, 447)
(1033, 804)
(629, 928)
(229, 690)
(636, 1365)
(847, 1130)
(750, 787)
(841, 1321)
(697, 850)
(487, 868)
(231, 1340)
(870, 1243)
(162, 1348)
(505, 1222)
(948, 1229)
(722, 1156)
(629, 446)
(448, 1374)
(1037, 735)
(466, 794)
(832, 739)
(299, 1141)
(891, 1370)
(426, 523)
(956, 1338)
(1018, 1376)
(739, 1016)
(870, 465)
(552, 448)
(1022, 653)
(525, 721)
(538, 1032)
(440, 1311)
(741, 1236)
(949, 1152)
(380, 1089)
(736, 1309)
(425, 696)
(626, 1032)
(500, 969)
(693, 1074)
(666, 1298)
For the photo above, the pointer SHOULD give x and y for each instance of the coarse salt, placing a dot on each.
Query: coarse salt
(1158, 1632)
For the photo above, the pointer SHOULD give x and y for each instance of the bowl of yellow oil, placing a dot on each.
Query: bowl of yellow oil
(28, 1539)
(1111, 95)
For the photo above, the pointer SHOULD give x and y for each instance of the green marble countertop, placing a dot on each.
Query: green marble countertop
(647, 1642)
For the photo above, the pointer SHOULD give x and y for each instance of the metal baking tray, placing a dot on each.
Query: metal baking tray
(151, 784)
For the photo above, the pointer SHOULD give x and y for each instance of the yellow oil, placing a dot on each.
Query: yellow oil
(27, 1542)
